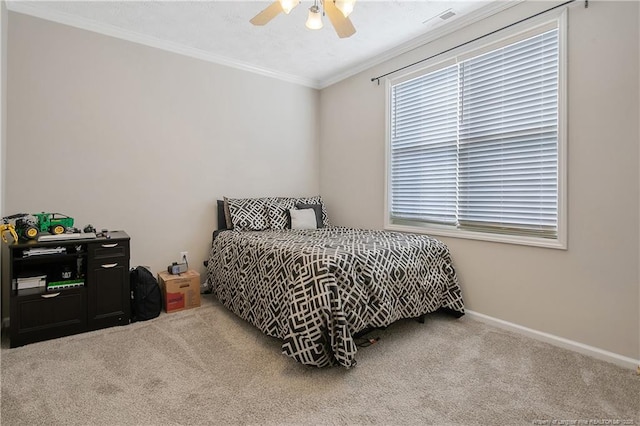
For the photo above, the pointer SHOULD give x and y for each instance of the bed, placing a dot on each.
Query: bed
(316, 289)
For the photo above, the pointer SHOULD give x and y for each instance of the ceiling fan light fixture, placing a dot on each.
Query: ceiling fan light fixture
(342, 25)
(288, 5)
(314, 20)
(345, 6)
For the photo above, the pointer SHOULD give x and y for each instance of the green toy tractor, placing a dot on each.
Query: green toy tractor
(29, 226)
(56, 223)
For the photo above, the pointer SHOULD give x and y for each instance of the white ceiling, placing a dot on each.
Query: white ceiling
(220, 31)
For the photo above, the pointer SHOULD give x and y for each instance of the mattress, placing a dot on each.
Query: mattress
(315, 289)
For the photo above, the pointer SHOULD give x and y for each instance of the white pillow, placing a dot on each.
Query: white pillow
(303, 219)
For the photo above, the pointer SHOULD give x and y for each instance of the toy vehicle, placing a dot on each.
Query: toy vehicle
(22, 226)
(56, 223)
(29, 226)
(26, 227)
(7, 227)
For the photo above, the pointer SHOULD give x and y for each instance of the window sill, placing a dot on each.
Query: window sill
(446, 231)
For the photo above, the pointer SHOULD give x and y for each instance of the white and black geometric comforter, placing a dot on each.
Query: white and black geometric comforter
(315, 289)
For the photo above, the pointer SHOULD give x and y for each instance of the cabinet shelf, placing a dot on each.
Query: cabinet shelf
(42, 291)
(49, 258)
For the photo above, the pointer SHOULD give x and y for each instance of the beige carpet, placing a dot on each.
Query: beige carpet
(205, 366)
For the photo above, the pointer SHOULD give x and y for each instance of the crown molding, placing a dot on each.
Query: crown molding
(464, 21)
(112, 31)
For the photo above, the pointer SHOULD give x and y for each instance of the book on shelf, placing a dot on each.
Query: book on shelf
(22, 283)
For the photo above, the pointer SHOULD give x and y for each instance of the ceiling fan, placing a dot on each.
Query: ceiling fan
(338, 12)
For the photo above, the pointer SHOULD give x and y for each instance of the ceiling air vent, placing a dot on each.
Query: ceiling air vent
(446, 14)
(443, 15)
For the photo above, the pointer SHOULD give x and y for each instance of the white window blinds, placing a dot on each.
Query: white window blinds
(423, 152)
(475, 145)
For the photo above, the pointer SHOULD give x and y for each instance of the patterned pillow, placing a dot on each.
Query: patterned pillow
(227, 214)
(317, 200)
(248, 214)
(277, 212)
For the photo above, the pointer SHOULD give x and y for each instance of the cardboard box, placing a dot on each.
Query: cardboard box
(180, 292)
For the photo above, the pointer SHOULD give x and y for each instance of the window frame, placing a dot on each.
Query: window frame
(524, 30)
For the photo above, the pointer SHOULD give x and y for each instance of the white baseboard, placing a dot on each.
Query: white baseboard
(600, 354)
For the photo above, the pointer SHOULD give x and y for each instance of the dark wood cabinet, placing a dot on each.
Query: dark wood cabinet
(108, 269)
(93, 286)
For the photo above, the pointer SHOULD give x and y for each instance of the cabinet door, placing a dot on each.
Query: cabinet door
(109, 294)
(48, 315)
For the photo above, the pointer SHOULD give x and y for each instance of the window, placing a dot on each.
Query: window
(475, 144)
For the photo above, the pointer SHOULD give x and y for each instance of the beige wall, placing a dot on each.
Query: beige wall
(4, 311)
(588, 293)
(3, 101)
(124, 136)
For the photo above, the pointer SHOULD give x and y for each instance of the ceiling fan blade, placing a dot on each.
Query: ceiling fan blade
(268, 14)
(342, 25)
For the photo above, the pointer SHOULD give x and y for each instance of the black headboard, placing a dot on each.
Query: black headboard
(222, 221)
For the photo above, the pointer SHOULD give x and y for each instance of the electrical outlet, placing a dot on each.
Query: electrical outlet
(184, 255)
